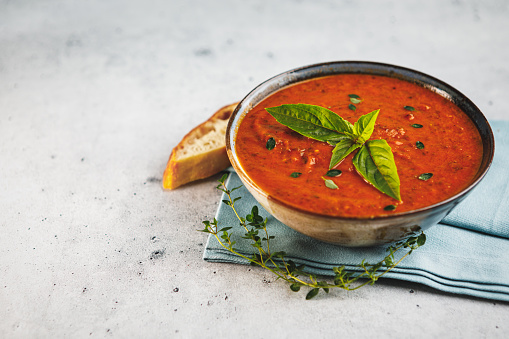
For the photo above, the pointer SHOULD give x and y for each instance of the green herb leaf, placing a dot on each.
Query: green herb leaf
(390, 207)
(421, 239)
(375, 162)
(341, 151)
(312, 293)
(295, 174)
(355, 96)
(271, 143)
(312, 121)
(333, 173)
(355, 101)
(417, 126)
(295, 287)
(330, 184)
(425, 176)
(352, 107)
(364, 126)
(223, 178)
(419, 145)
(409, 108)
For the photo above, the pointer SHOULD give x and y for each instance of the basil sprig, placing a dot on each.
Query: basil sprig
(374, 161)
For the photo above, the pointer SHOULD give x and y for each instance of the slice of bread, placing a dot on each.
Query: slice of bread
(201, 153)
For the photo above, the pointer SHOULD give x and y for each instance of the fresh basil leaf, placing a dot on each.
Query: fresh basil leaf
(312, 121)
(330, 184)
(419, 145)
(355, 101)
(341, 151)
(425, 176)
(364, 126)
(355, 96)
(295, 174)
(417, 126)
(375, 162)
(352, 107)
(333, 173)
(271, 143)
(390, 208)
(409, 108)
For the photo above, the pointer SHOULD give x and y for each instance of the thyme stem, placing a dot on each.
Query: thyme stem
(286, 269)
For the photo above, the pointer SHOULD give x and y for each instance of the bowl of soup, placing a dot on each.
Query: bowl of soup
(441, 143)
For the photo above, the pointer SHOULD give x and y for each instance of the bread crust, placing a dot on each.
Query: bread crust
(187, 164)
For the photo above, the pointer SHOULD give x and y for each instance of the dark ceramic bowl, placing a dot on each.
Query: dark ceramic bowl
(358, 231)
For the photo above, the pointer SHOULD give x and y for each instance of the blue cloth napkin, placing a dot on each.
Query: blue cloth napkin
(467, 253)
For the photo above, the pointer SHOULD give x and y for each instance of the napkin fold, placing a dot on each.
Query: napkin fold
(466, 253)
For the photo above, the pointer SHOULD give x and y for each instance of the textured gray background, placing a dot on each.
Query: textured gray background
(93, 96)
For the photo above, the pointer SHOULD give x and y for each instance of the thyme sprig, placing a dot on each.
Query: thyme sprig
(255, 227)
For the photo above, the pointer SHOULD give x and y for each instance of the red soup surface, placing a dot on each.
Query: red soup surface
(452, 147)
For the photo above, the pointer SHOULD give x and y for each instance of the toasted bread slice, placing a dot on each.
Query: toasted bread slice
(201, 153)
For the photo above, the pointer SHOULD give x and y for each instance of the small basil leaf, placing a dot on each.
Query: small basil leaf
(390, 208)
(417, 126)
(271, 143)
(355, 96)
(409, 108)
(419, 145)
(341, 151)
(375, 162)
(352, 107)
(364, 126)
(312, 121)
(330, 184)
(333, 173)
(355, 101)
(295, 174)
(425, 176)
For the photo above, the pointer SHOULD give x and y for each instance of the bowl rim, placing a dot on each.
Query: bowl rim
(360, 67)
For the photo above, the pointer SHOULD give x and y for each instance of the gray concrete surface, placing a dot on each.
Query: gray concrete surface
(93, 96)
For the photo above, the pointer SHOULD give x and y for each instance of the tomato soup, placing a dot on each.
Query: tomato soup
(427, 134)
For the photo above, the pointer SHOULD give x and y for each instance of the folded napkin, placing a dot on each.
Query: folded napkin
(467, 253)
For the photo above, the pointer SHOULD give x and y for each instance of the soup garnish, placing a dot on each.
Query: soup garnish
(374, 160)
